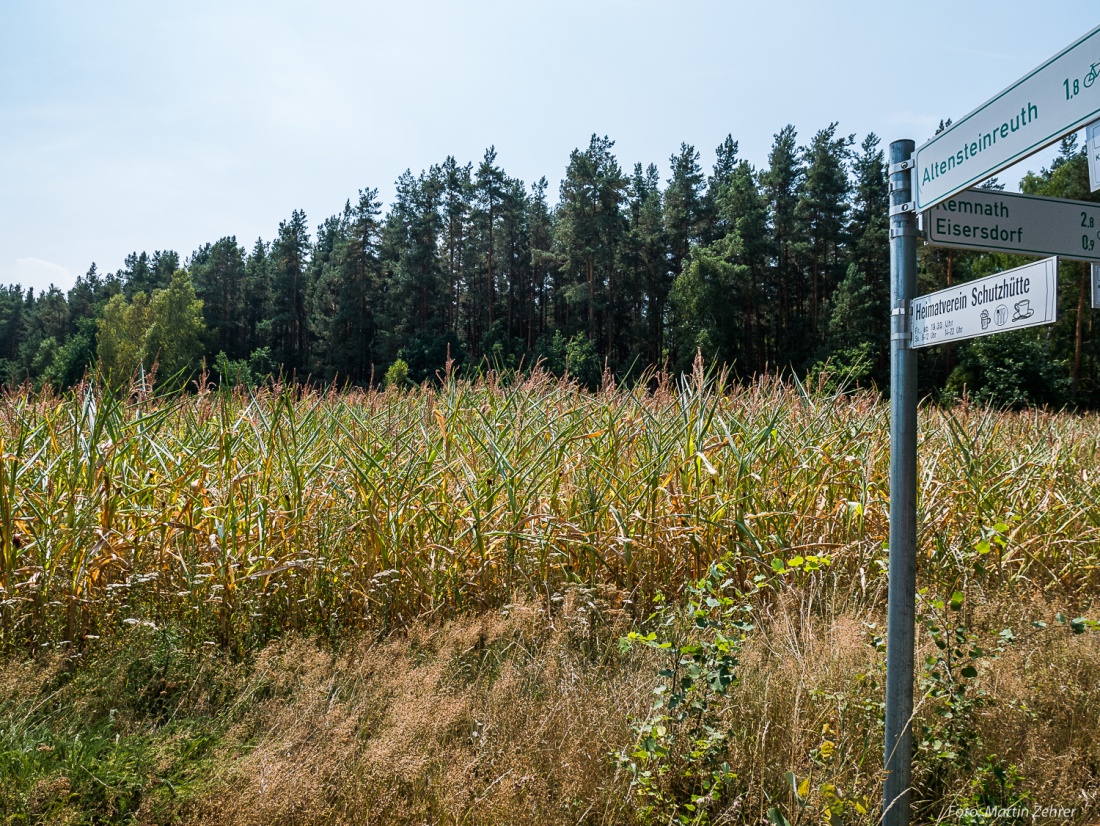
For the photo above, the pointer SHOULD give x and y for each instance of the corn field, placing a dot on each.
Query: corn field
(237, 515)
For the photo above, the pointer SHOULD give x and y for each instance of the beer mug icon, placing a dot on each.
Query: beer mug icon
(1002, 315)
(986, 320)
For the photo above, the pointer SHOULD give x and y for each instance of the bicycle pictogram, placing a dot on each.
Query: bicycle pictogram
(1090, 78)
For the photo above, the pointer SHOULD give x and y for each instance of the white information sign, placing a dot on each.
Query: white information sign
(1096, 286)
(1092, 147)
(1011, 300)
(987, 219)
(1055, 99)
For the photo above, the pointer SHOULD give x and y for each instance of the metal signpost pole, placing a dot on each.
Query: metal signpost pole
(903, 489)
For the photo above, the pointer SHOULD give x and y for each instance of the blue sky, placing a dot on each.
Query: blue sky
(129, 125)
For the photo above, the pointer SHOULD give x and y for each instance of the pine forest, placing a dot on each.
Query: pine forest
(780, 269)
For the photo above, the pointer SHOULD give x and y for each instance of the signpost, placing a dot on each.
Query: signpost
(902, 587)
(986, 219)
(1055, 99)
(1059, 97)
(1012, 300)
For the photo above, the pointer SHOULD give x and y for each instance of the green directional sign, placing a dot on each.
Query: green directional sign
(987, 219)
(1055, 99)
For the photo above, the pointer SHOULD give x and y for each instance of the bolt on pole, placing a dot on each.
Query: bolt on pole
(903, 491)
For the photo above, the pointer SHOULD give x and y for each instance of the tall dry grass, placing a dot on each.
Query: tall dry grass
(515, 716)
(239, 516)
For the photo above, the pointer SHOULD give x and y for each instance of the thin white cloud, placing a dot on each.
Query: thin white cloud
(40, 274)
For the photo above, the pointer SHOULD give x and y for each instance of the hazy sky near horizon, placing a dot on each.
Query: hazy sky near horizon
(129, 125)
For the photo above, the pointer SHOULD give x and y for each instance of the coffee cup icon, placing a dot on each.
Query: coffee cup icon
(1023, 310)
(986, 320)
(1001, 315)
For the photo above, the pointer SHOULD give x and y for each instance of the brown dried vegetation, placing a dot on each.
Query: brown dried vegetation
(406, 608)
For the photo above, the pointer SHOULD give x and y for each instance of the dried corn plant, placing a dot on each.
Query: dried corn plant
(239, 515)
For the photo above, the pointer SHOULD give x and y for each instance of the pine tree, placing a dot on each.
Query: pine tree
(724, 166)
(136, 275)
(590, 231)
(821, 210)
(11, 331)
(256, 322)
(719, 294)
(515, 268)
(345, 298)
(684, 204)
(289, 270)
(142, 273)
(218, 273)
(868, 241)
(781, 183)
(52, 312)
(541, 229)
(489, 185)
(414, 280)
(646, 261)
(743, 209)
(457, 204)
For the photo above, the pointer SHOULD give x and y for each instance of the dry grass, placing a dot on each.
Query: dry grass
(498, 719)
(513, 717)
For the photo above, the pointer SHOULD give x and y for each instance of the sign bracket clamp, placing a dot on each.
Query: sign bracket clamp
(900, 330)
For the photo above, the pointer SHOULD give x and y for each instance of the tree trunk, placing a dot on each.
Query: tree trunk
(591, 299)
(949, 349)
(1080, 331)
(490, 278)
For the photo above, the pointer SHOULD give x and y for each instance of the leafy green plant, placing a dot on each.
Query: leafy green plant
(818, 795)
(795, 570)
(397, 375)
(233, 373)
(996, 795)
(677, 764)
(949, 680)
(949, 739)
